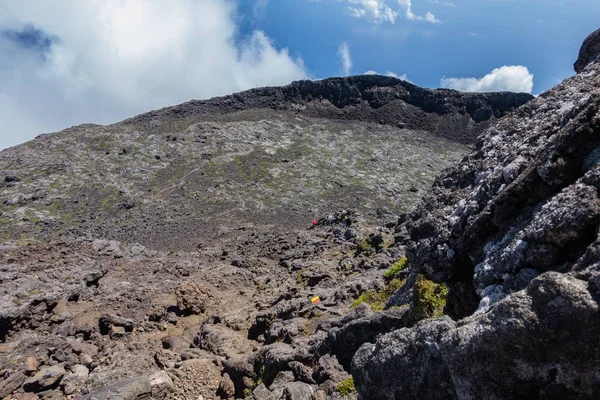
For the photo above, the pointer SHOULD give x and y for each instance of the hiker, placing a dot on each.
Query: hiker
(314, 222)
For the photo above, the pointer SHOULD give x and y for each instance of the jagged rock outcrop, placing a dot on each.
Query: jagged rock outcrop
(513, 231)
(590, 51)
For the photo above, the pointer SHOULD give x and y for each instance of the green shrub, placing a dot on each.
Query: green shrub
(346, 387)
(364, 244)
(395, 269)
(429, 300)
(378, 299)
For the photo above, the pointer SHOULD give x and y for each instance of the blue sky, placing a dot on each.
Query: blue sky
(472, 38)
(68, 62)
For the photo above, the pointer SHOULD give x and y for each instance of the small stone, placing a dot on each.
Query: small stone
(117, 332)
(85, 359)
(31, 365)
(80, 372)
(108, 320)
(320, 395)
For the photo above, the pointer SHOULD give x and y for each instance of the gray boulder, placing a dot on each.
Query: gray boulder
(11, 383)
(46, 378)
(538, 343)
(298, 391)
(136, 388)
(222, 341)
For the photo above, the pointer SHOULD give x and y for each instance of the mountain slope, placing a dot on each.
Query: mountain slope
(173, 177)
(168, 256)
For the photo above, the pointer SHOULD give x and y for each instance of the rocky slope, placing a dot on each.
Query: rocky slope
(272, 155)
(171, 255)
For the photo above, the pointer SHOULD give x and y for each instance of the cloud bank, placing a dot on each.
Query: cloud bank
(513, 78)
(70, 62)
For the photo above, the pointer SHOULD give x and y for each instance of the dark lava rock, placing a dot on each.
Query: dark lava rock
(589, 52)
(537, 343)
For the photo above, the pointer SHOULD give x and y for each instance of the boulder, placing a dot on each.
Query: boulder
(135, 388)
(226, 387)
(543, 346)
(589, 52)
(11, 383)
(46, 378)
(194, 298)
(161, 385)
(298, 391)
(344, 341)
(222, 341)
(281, 379)
(106, 321)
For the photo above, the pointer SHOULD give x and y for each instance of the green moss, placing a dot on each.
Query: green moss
(247, 392)
(346, 387)
(429, 300)
(396, 268)
(378, 299)
(33, 292)
(17, 302)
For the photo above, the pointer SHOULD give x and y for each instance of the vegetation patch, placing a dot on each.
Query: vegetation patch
(346, 387)
(429, 300)
(396, 268)
(378, 299)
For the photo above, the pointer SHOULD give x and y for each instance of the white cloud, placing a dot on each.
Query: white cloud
(514, 78)
(380, 11)
(346, 60)
(442, 3)
(374, 9)
(389, 73)
(406, 5)
(116, 58)
(401, 77)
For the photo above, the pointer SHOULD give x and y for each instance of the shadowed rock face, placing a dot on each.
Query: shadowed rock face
(513, 231)
(590, 51)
